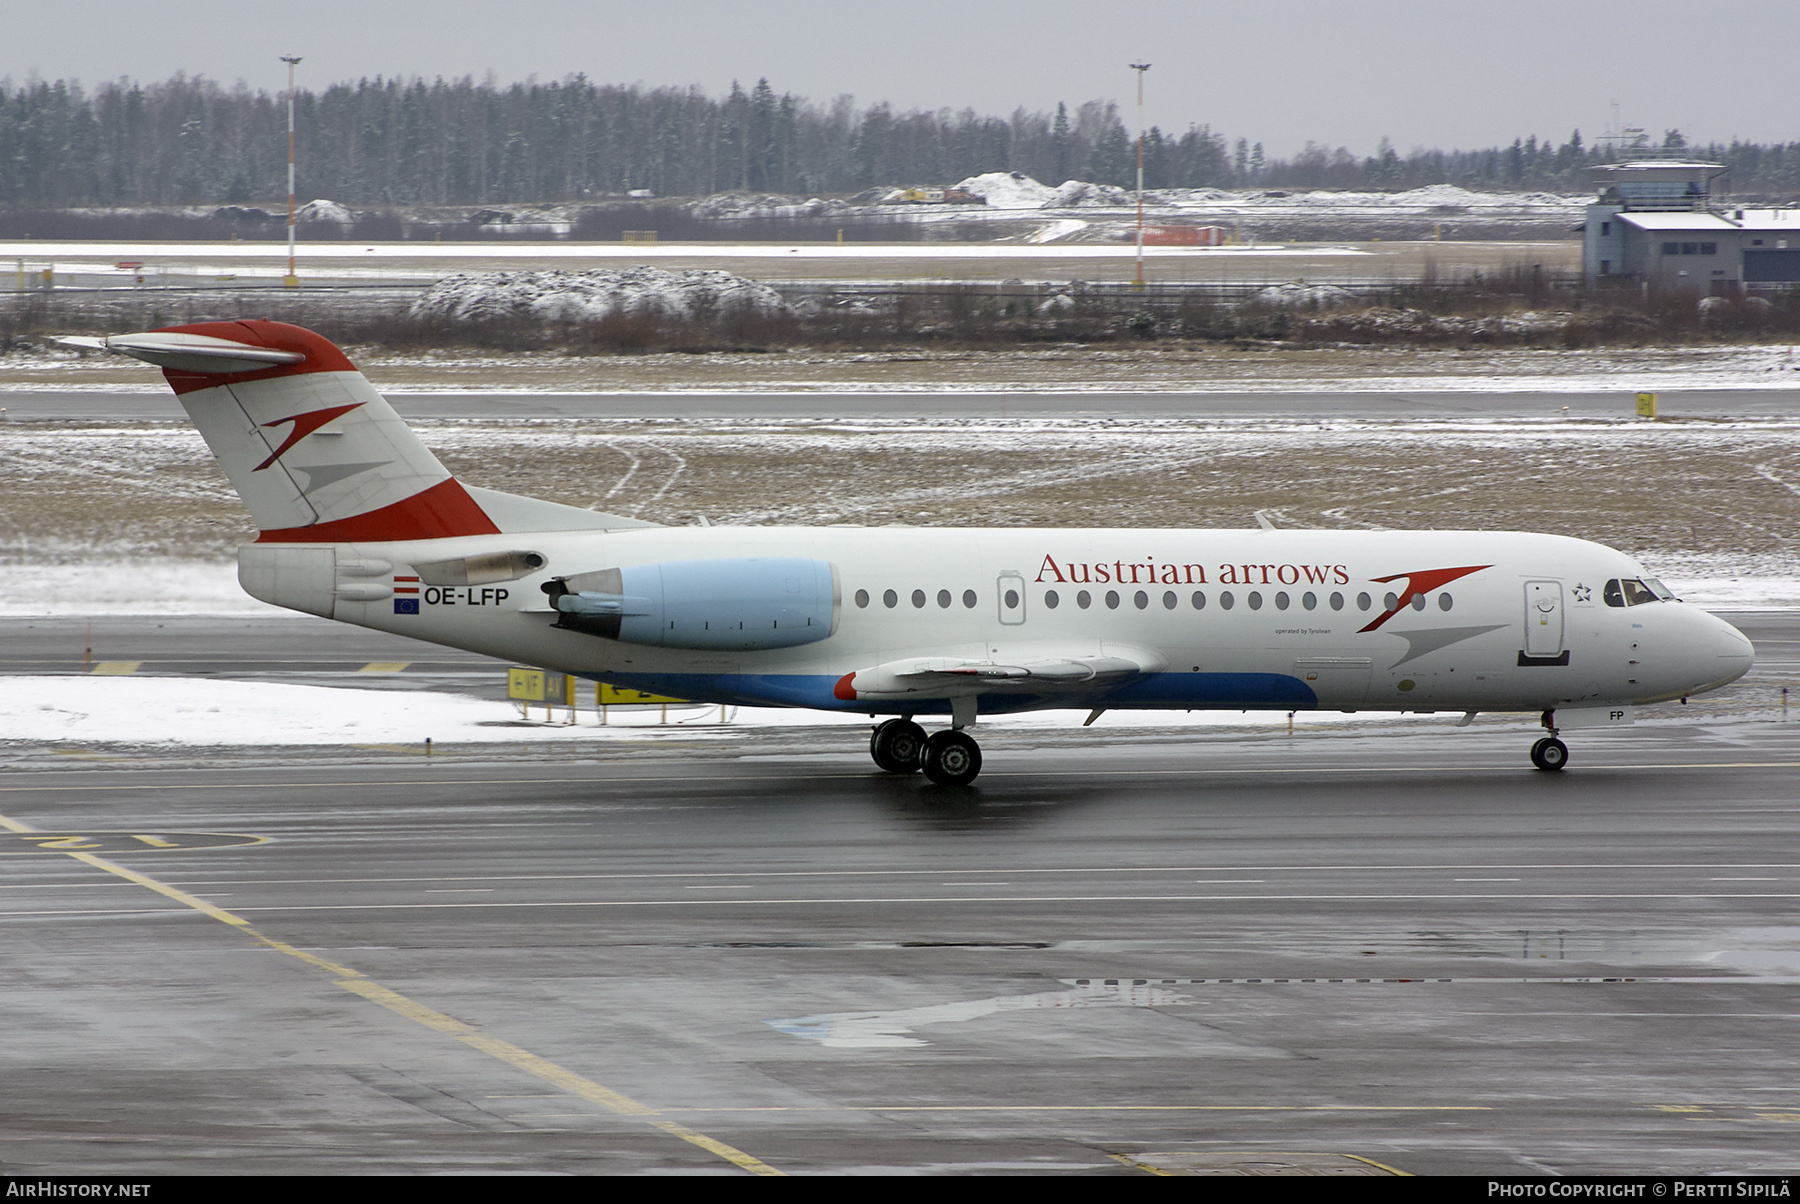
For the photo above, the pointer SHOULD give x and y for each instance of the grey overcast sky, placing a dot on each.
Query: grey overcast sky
(1446, 73)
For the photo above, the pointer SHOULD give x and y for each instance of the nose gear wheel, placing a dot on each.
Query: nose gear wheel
(1549, 753)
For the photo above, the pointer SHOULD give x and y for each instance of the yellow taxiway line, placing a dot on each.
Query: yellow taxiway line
(358, 983)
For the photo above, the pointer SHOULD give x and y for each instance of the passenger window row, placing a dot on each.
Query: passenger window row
(1170, 599)
(891, 599)
(1254, 599)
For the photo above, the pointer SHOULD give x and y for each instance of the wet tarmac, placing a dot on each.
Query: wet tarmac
(1361, 951)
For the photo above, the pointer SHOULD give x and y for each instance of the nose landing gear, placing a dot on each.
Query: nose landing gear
(1549, 753)
(949, 758)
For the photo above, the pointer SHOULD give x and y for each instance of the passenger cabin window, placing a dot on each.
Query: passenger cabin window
(1628, 592)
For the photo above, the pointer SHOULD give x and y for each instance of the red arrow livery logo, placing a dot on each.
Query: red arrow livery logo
(304, 425)
(1417, 586)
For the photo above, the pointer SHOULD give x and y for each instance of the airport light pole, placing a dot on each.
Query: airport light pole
(292, 279)
(1140, 68)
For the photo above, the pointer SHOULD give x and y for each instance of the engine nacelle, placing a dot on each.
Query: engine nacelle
(715, 605)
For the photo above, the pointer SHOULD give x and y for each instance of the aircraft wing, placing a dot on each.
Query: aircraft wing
(1043, 672)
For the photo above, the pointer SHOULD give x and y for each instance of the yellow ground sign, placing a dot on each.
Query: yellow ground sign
(537, 685)
(542, 685)
(1646, 405)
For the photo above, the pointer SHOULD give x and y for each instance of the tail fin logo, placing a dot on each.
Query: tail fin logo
(304, 425)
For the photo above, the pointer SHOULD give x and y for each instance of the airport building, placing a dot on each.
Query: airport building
(1656, 224)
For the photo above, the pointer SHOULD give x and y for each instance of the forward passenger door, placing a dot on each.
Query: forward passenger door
(1543, 618)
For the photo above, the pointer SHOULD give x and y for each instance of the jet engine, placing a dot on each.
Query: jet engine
(717, 605)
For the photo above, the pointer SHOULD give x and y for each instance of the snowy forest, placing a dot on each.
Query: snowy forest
(190, 141)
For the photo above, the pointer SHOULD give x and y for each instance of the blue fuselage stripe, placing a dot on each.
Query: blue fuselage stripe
(1159, 691)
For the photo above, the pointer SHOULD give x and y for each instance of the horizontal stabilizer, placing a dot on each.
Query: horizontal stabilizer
(199, 353)
(315, 452)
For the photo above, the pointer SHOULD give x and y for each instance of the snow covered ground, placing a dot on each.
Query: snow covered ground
(135, 518)
(40, 252)
(1013, 191)
(1011, 197)
(1201, 368)
(127, 587)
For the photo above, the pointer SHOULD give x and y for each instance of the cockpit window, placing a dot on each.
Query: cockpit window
(1629, 591)
(1660, 590)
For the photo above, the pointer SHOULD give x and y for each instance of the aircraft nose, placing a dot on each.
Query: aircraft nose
(1725, 651)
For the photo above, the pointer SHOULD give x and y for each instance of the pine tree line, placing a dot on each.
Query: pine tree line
(189, 141)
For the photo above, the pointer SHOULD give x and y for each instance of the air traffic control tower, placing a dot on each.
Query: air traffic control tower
(1657, 224)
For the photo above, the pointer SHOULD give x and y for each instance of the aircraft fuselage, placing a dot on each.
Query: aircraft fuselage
(1237, 619)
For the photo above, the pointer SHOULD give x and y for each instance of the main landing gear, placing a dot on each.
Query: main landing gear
(949, 758)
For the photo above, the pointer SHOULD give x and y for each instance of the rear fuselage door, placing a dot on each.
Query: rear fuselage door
(1012, 599)
(1543, 618)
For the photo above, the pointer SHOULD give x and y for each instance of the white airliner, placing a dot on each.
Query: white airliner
(360, 523)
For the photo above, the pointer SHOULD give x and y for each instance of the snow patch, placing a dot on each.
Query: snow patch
(127, 587)
(1416, 323)
(1008, 190)
(1296, 294)
(1016, 190)
(1078, 194)
(1057, 230)
(324, 211)
(734, 206)
(558, 296)
(1736, 593)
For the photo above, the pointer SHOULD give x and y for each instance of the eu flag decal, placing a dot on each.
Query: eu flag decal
(406, 606)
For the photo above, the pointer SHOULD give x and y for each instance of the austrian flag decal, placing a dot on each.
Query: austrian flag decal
(403, 603)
